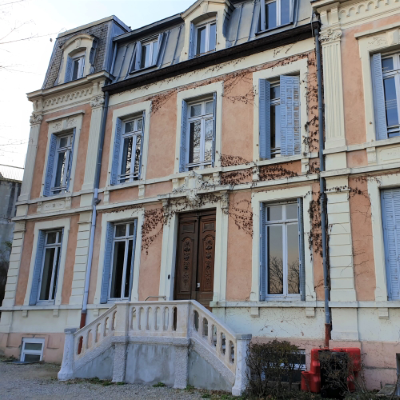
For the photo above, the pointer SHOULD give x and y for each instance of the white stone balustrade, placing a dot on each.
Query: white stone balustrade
(180, 320)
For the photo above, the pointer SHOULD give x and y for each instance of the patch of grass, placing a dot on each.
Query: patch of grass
(206, 396)
(159, 384)
(97, 381)
(121, 383)
(190, 388)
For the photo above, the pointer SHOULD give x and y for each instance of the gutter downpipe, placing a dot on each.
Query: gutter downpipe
(328, 320)
(94, 209)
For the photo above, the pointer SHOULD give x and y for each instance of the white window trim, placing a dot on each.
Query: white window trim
(277, 196)
(298, 67)
(121, 113)
(286, 222)
(125, 239)
(151, 43)
(188, 95)
(61, 126)
(378, 41)
(69, 148)
(64, 224)
(34, 352)
(207, 24)
(57, 245)
(115, 217)
(374, 192)
(79, 44)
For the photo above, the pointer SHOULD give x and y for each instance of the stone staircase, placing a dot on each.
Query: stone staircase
(174, 342)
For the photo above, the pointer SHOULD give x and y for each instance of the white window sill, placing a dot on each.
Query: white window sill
(267, 304)
(125, 185)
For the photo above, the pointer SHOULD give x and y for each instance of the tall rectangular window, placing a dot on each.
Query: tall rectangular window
(50, 265)
(131, 150)
(205, 39)
(282, 250)
(62, 164)
(391, 84)
(199, 135)
(275, 13)
(279, 117)
(123, 244)
(149, 54)
(391, 230)
(78, 66)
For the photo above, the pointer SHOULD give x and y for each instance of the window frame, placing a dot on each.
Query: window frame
(150, 42)
(68, 164)
(395, 73)
(203, 118)
(262, 27)
(32, 352)
(125, 239)
(57, 260)
(275, 151)
(207, 24)
(80, 58)
(285, 296)
(134, 134)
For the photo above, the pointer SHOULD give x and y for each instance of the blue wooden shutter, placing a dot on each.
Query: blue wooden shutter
(262, 16)
(263, 254)
(192, 51)
(214, 127)
(138, 56)
(133, 258)
(68, 70)
(183, 151)
(116, 155)
(379, 98)
(71, 156)
(93, 52)
(264, 115)
(302, 269)
(37, 269)
(290, 115)
(50, 166)
(391, 228)
(141, 145)
(107, 263)
(160, 42)
(132, 62)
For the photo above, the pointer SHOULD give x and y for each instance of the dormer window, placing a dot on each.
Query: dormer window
(205, 38)
(149, 54)
(275, 13)
(78, 66)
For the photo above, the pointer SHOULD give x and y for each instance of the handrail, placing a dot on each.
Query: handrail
(157, 297)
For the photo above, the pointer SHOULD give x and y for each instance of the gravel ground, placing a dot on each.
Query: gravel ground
(39, 381)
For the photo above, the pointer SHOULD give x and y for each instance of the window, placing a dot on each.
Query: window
(386, 70)
(147, 53)
(275, 13)
(205, 38)
(128, 149)
(62, 164)
(75, 67)
(47, 265)
(131, 159)
(391, 231)
(198, 134)
(282, 245)
(119, 261)
(279, 117)
(32, 350)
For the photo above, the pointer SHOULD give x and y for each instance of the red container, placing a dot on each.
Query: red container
(311, 380)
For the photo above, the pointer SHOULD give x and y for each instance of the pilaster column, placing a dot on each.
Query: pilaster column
(333, 81)
(97, 103)
(35, 121)
(15, 263)
(242, 344)
(67, 366)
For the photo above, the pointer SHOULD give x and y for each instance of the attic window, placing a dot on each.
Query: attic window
(205, 39)
(147, 53)
(75, 67)
(275, 13)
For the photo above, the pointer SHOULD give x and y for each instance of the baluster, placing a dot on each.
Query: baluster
(210, 333)
(170, 318)
(85, 342)
(227, 349)
(218, 346)
(148, 319)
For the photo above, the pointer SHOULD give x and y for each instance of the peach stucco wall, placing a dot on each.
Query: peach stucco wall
(353, 93)
(42, 146)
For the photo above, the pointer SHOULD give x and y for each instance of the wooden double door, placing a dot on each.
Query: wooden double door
(194, 274)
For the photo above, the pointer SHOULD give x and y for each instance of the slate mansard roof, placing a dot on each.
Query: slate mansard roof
(116, 42)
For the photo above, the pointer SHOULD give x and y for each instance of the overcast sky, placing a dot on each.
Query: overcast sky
(27, 60)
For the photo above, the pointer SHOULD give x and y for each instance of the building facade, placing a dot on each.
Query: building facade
(181, 161)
